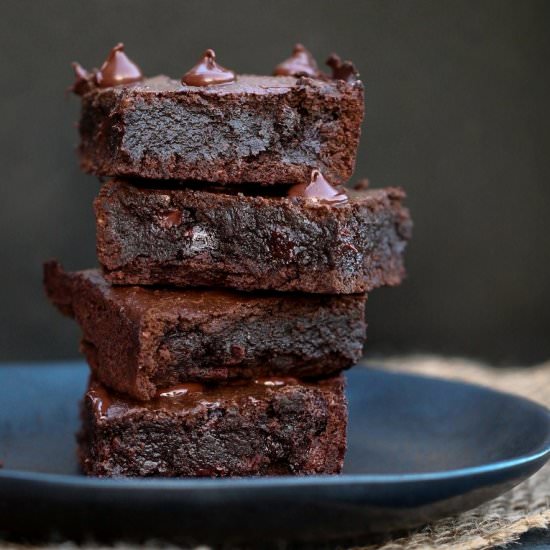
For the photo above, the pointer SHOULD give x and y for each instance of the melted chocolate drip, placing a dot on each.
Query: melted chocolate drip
(342, 70)
(300, 63)
(207, 72)
(108, 403)
(181, 389)
(272, 382)
(117, 69)
(172, 218)
(318, 189)
(83, 81)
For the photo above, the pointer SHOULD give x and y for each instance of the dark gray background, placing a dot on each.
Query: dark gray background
(457, 113)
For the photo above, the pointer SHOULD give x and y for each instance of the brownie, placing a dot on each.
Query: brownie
(268, 129)
(268, 426)
(139, 340)
(213, 237)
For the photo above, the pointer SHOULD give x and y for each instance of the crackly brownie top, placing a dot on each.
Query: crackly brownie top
(121, 75)
(244, 84)
(136, 300)
(187, 396)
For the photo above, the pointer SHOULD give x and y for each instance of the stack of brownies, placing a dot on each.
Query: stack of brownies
(235, 267)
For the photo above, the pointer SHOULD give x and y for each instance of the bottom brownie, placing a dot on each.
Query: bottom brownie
(269, 426)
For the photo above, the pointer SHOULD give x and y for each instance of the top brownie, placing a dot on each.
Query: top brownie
(257, 129)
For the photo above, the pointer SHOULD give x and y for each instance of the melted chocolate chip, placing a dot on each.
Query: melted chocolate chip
(117, 69)
(172, 218)
(300, 63)
(207, 72)
(318, 189)
(101, 400)
(83, 81)
(342, 70)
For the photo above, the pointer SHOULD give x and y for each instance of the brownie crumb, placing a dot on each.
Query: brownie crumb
(362, 185)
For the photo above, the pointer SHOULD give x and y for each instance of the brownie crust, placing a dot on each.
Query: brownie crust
(140, 340)
(196, 237)
(265, 427)
(268, 129)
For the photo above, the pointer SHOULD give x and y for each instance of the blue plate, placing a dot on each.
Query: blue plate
(419, 449)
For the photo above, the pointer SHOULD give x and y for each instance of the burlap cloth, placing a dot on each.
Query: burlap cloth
(498, 522)
(506, 518)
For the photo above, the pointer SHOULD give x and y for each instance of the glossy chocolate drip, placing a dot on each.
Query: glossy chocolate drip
(101, 399)
(108, 403)
(272, 382)
(342, 70)
(300, 63)
(117, 69)
(207, 72)
(181, 390)
(318, 189)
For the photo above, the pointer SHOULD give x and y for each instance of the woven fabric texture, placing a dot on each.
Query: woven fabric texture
(506, 518)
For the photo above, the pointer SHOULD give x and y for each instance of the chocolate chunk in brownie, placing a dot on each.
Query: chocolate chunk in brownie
(138, 340)
(268, 129)
(267, 426)
(199, 237)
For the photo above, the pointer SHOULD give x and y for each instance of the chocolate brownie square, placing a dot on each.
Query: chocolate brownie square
(267, 426)
(195, 236)
(139, 340)
(267, 129)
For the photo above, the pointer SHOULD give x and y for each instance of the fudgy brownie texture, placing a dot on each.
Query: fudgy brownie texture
(268, 129)
(196, 237)
(270, 426)
(139, 340)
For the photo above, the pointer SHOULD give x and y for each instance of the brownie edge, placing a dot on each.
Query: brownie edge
(268, 129)
(138, 340)
(270, 426)
(189, 237)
